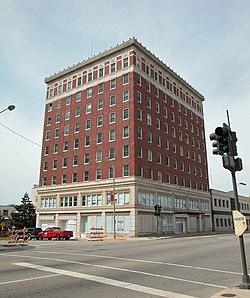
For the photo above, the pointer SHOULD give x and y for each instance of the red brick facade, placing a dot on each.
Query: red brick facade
(162, 115)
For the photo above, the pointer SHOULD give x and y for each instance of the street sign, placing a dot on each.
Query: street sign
(240, 224)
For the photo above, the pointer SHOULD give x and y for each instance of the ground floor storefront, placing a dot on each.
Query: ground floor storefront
(82, 208)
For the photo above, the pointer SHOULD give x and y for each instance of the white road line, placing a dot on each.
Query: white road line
(107, 281)
(27, 279)
(124, 270)
(143, 261)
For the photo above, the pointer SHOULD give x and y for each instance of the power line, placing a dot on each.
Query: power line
(20, 135)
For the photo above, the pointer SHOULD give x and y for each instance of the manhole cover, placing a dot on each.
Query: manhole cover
(228, 295)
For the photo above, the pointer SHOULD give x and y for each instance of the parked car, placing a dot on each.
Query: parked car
(33, 233)
(55, 232)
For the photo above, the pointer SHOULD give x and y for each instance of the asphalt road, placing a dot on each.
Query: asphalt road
(175, 267)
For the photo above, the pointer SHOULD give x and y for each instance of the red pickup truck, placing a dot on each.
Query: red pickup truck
(55, 232)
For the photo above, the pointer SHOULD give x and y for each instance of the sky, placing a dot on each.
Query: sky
(207, 42)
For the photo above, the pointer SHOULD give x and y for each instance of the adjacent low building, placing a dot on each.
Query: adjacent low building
(222, 205)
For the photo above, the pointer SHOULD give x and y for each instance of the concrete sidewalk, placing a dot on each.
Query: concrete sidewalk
(232, 292)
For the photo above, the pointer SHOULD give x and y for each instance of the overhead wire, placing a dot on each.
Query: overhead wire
(13, 131)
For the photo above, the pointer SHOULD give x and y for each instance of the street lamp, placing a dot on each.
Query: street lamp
(10, 108)
(113, 170)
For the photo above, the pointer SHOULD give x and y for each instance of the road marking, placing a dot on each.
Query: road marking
(107, 281)
(27, 279)
(143, 261)
(125, 270)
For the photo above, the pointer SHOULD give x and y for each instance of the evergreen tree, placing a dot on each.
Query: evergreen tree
(24, 215)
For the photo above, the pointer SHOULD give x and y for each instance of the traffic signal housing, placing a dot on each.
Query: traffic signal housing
(221, 139)
(157, 210)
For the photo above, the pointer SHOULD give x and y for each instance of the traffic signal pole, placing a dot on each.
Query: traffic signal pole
(225, 144)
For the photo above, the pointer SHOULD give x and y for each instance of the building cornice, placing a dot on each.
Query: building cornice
(119, 47)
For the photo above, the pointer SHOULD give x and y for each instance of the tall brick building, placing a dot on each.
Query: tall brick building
(123, 116)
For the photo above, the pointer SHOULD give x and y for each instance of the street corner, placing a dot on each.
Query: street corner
(235, 292)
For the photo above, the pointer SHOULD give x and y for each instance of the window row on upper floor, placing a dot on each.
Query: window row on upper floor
(150, 174)
(74, 177)
(155, 73)
(85, 76)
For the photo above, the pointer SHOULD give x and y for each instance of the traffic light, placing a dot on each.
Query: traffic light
(157, 210)
(233, 147)
(221, 138)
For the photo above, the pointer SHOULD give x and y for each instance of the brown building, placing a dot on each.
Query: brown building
(124, 120)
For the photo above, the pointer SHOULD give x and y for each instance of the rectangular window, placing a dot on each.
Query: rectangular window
(64, 179)
(75, 160)
(125, 170)
(99, 156)
(112, 100)
(79, 81)
(112, 117)
(59, 89)
(77, 127)
(149, 119)
(112, 67)
(125, 151)
(138, 96)
(68, 100)
(78, 96)
(111, 153)
(90, 76)
(112, 84)
(99, 121)
(125, 62)
(57, 117)
(47, 135)
(139, 114)
(100, 104)
(99, 138)
(87, 124)
(86, 158)
(87, 141)
(53, 180)
(125, 96)
(55, 148)
(54, 164)
(46, 150)
(101, 72)
(139, 133)
(67, 115)
(76, 143)
(125, 114)
(65, 146)
(125, 132)
(150, 137)
(89, 92)
(98, 174)
(150, 155)
(88, 108)
(64, 162)
(56, 133)
(77, 111)
(125, 79)
(112, 135)
(139, 152)
(100, 88)
(66, 130)
(74, 177)
(86, 176)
